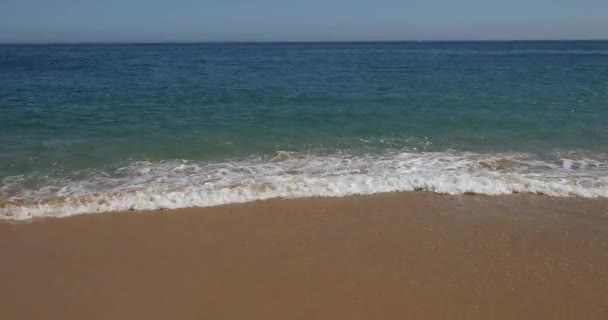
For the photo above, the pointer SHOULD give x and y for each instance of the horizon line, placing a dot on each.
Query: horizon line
(289, 41)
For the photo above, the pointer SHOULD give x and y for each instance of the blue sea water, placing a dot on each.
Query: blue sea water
(95, 128)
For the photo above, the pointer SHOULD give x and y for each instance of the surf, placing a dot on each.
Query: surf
(171, 184)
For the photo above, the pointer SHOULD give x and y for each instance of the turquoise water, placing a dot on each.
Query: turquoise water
(87, 128)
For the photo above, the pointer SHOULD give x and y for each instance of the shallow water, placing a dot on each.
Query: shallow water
(87, 128)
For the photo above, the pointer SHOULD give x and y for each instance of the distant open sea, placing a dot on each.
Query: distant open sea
(98, 128)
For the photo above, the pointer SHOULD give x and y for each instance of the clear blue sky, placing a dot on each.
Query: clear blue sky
(294, 20)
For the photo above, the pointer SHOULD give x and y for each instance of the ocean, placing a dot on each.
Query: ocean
(110, 127)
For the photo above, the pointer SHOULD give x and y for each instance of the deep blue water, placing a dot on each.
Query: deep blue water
(69, 109)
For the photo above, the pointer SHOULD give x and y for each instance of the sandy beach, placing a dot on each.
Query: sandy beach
(387, 256)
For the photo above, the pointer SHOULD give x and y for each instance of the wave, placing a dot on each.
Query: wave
(181, 183)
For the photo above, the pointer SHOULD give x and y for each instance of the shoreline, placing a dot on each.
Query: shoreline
(174, 184)
(526, 196)
(392, 255)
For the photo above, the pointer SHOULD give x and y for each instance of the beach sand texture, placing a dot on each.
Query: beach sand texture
(386, 256)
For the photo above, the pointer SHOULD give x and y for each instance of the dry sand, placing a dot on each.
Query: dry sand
(390, 256)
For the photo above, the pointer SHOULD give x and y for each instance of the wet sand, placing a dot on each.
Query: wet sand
(389, 256)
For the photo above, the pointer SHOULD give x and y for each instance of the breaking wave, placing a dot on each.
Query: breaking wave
(181, 183)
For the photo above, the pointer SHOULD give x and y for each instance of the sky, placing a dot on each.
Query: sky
(50, 21)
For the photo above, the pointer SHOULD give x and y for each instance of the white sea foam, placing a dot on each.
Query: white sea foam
(179, 184)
